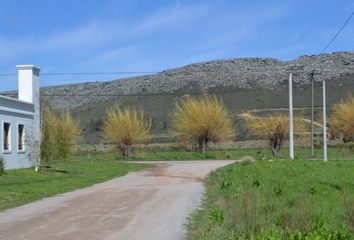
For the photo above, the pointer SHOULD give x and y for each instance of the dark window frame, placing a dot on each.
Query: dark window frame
(6, 136)
(21, 137)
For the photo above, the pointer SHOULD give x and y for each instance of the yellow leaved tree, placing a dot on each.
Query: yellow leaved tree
(274, 128)
(202, 120)
(59, 134)
(124, 127)
(341, 120)
(68, 133)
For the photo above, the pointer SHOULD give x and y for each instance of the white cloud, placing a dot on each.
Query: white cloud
(96, 34)
(178, 14)
(110, 55)
(231, 31)
(91, 35)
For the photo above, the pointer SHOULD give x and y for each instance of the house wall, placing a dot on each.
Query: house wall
(26, 111)
(17, 112)
(28, 91)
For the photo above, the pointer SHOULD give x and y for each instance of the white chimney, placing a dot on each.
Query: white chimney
(28, 91)
(28, 83)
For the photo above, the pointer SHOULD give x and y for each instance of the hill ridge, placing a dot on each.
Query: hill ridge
(243, 83)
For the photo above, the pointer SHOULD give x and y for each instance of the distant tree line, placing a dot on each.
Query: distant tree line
(198, 120)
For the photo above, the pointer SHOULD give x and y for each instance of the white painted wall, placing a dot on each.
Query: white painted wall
(14, 158)
(28, 83)
(26, 111)
(28, 90)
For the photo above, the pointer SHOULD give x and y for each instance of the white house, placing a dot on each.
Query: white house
(20, 121)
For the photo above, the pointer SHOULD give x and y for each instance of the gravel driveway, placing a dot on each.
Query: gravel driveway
(151, 204)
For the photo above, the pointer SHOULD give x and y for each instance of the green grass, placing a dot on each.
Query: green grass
(334, 153)
(277, 200)
(18, 187)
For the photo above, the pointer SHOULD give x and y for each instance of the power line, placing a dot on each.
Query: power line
(8, 74)
(86, 73)
(97, 73)
(339, 31)
(324, 94)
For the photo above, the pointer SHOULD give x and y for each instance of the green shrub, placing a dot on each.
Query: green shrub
(67, 134)
(59, 135)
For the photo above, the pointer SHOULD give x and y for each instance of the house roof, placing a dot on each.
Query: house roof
(13, 105)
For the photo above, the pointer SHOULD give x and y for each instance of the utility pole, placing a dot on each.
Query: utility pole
(312, 110)
(324, 122)
(291, 126)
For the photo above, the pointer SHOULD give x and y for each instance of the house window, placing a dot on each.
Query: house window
(21, 137)
(7, 137)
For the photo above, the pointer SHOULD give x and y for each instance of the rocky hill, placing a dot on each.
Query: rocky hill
(258, 84)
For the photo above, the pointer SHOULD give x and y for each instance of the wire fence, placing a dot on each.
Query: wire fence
(90, 109)
(159, 106)
(260, 150)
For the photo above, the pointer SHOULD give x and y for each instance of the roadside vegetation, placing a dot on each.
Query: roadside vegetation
(274, 128)
(334, 153)
(202, 120)
(265, 197)
(277, 200)
(59, 134)
(21, 186)
(196, 123)
(341, 120)
(124, 127)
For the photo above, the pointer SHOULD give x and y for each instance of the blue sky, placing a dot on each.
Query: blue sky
(138, 35)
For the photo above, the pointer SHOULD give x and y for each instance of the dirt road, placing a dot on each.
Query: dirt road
(152, 204)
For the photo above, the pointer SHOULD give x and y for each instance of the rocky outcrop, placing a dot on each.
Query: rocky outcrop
(244, 73)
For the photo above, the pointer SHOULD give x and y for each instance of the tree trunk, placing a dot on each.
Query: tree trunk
(126, 150)
(55, 165)
(275, 144)
(274, 151)
(202, 145)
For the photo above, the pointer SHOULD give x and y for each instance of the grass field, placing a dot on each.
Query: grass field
(334, 153)
(18, 187)
(22, 186)
(277, 200)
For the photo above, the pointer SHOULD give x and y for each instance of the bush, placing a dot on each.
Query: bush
(274, 128)
(49, 149)
(341, 120)
(67, 134)
(202, 120)
(59, 134)
(125, 127)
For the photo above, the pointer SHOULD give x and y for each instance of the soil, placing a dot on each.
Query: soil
(151, 204)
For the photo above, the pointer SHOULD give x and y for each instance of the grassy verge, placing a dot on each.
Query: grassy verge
(257, 153)
(277, 200)
(18, 187)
